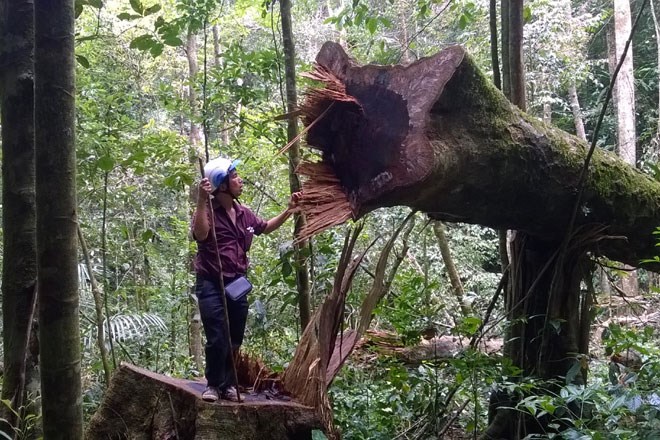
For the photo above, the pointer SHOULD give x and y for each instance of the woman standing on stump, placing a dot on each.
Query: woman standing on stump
(235, 225)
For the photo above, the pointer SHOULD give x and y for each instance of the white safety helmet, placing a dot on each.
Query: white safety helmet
(218, 169)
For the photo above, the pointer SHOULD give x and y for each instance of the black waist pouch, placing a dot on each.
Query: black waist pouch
(238, 288)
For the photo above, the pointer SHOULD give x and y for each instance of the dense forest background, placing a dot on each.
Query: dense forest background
(161, 83)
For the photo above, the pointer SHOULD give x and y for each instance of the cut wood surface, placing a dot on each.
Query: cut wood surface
(140, 404)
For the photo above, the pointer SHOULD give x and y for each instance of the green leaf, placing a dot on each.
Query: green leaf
(143, 42)
(78, 8)
(156, 49)
(287, 269)
(98, 4)
(137, 6)
(82, 61)
(147, 235)
(106, 163)
(173, 40)
(463, 22)
(152, 9)
(527, 14)
(387, 23)
(372, 25)
(127, 16)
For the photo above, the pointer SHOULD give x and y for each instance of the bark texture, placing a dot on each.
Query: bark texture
(140, 404)
(439, 137)
(302, 273)
(57, 257)
(19, 271)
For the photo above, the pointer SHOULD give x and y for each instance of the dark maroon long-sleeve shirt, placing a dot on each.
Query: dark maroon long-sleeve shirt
(234, 240)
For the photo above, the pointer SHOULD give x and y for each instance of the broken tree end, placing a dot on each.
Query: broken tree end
(371, 125)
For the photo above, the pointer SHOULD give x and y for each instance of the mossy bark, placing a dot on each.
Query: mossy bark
(437, 136)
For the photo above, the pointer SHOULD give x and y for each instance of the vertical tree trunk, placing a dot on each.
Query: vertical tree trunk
(220, 113)
(624, 89)
(494, 57)
(403, 11)
(302, 274)
(576, 110)
(506, 49)
(193, 69)
(547, 113)
(624, 103)
(502, 82)
(98, 307)
(516, 66)
(19, 271)
(455, 280)
(59, 331)
(656, 27)
(195, 139)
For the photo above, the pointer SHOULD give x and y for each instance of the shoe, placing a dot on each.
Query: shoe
(229, 394)
(210, 394)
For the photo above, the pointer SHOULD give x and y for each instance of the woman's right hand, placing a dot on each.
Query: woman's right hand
(205, 190)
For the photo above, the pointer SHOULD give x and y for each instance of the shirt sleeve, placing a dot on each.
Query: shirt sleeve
(257, 223)
(191, 233)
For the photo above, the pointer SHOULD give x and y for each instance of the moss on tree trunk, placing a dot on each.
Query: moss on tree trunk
(439, 137)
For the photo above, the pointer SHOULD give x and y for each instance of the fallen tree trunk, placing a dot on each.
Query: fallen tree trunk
(140, 404)
(439, 137)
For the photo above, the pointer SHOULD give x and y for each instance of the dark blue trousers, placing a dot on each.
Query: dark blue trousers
(218, 355)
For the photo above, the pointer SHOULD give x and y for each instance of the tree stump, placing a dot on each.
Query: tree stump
(140, 404)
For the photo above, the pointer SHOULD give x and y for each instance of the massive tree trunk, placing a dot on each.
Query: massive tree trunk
(438, 137)
(59, 332)
(302, 273)
(19, 271)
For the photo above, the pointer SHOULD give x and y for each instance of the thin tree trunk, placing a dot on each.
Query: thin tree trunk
(494, 56)
(193, 68)
(516, 65)
(656, 27)
(500, 81)
(302, 273)
(624, 88)
(195, 140)
(576, 110)
(547, 113)
(216, 46)
(403, 11)
(98, 306)
(59, 331)
(506, 48)
(19, 271)
(456, 286)
(624, 104)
